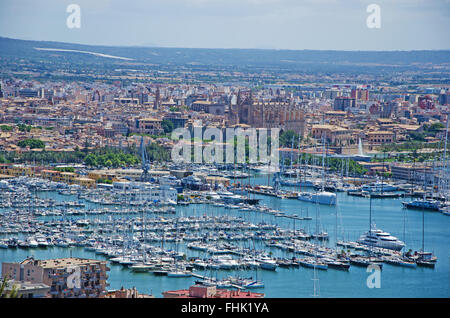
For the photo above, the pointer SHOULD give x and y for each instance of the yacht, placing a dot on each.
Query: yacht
(377, 238)
(366, 261)
(3, 244)
(141, 267)
(423, 204)
(400, 261)
(379, 187)
(267, 263)
(336, 264)
(321, 197)
(179, 273)
(311, 262)
(425, 259)
(225, 262)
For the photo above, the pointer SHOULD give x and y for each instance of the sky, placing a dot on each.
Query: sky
(262, 24)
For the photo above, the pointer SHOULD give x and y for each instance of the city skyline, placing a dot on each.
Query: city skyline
(257, 24)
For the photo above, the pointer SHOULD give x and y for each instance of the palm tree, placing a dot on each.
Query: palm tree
(13, 293)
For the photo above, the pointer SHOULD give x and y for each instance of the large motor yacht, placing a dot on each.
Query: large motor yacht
(321, 197)
(378, 238)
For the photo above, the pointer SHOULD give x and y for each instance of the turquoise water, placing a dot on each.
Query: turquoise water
(352, 219)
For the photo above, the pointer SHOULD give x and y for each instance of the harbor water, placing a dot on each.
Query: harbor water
(345, 221)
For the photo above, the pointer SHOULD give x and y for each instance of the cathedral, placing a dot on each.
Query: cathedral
(278, 113)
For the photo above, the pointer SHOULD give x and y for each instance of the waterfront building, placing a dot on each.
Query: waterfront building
(128, 174)
(139, 191)
(55, 273)
(84, 182)
(102, 174)
(415, 173)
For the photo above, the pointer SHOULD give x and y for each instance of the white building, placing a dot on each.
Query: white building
(140, 191)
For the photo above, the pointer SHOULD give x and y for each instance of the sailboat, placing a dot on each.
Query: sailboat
(403, 260)
(337, 262)
(314, 262)
(143, 266)
(322, 196)
(178, 272)
(250, 283)
(422, 258)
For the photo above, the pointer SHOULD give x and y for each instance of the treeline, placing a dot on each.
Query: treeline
(410, 146)
(102, 157)
(111, 159)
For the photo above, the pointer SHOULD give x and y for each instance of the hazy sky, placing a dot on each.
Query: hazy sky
(280, 24)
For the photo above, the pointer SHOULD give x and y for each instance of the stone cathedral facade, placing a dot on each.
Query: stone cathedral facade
(278, 113)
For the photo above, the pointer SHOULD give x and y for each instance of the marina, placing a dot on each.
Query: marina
(220, 239)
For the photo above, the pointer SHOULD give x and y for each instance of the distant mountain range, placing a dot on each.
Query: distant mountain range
(14, 48)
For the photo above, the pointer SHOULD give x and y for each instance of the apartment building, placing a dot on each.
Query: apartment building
(67, 277)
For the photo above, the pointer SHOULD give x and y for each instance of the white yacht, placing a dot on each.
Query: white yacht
(378, 238)
(179, 273)
(423, 204)
(322, 197)
(379, 187)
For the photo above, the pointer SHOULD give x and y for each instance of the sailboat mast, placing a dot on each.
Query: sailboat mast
(370, 213)
(423, 230)
(292, 149)
(445, 175)
(323, 161)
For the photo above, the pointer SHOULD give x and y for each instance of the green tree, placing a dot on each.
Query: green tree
(167, 125)
(5, 128)
(287, 137)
